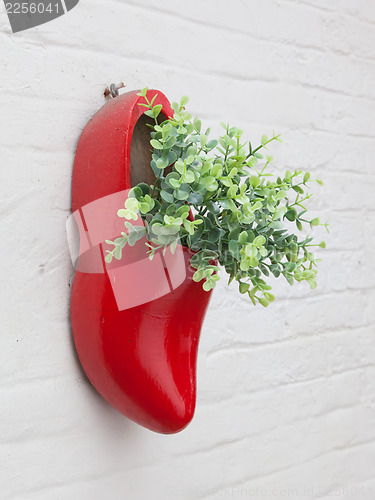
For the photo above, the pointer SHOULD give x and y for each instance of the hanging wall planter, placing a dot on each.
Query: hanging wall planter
(190, 204)
(142, 359)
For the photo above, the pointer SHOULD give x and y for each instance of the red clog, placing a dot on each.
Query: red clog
(140, 356)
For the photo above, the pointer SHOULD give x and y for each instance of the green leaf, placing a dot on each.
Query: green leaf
(145, 188)
(168, 197)
(259, 240)
(214, 235)
(117, 253)
(181, 194)
(188, 225)
(298, 189)
(156, 144)
(207, 286)
(169, 143)
(211, 144)
(274, 268)
(242, 214)
(213, 207)
(291, 214)
(244, 287)
(312, 283)
(144, 207)
(306, 177)
(264, 301)
(174, 183)
(188, 177)
(135, 192)
(197, 124)
(242, 238)
(208, 180)
(172, 210)
(289, 279)
(254, 181)
(122, 212)
(162, 162)
(195, 198)
(156, 110)
(216, 170)
(183, 211)
(180, 166)
(227, 204)
(198, 275)
(234, 233)
(132, 238)
(203, 140)
(173, 246)
(253, 261)
(234, 248)
(153, 99)
(250, 236)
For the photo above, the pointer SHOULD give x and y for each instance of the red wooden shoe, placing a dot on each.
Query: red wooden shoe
(138, 342)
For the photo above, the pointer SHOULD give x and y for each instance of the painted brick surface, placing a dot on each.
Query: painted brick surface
(286, 395)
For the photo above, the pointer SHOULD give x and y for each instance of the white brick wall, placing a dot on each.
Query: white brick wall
(286, 395)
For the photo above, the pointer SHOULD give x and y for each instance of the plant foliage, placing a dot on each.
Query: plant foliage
(243, 215)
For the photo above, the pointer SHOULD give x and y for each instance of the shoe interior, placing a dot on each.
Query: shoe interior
(140, 152)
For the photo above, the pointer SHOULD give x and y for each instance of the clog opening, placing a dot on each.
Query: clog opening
(141, 151)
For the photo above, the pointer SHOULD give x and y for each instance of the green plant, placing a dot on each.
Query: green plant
(243, 216)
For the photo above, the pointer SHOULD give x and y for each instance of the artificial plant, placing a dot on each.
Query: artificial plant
(243, 215)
